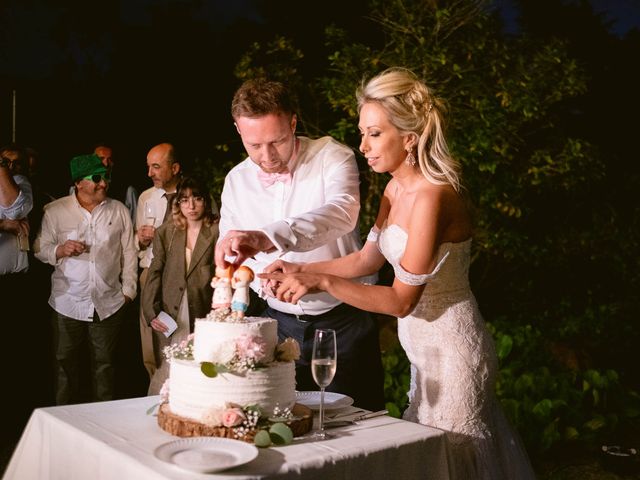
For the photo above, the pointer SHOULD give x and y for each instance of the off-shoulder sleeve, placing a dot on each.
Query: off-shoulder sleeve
(415, 279)
(373, 235)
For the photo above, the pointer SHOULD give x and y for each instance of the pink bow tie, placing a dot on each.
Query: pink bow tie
(268, 179)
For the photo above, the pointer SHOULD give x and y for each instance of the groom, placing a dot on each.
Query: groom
(298, 199)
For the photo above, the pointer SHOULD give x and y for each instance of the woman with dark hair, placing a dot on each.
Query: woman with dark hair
(178, 283)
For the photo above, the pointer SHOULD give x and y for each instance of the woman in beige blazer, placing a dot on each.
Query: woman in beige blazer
(178, 281)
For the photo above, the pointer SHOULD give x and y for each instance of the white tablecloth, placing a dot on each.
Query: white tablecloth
(115, 441)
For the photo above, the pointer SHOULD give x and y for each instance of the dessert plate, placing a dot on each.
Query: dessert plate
(206, 454)
(332, 400)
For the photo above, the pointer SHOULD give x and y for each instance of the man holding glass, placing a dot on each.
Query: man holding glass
(154, 207)
(88, 238)
(298, 199)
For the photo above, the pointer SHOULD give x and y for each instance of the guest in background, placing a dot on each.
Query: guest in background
(88, 238)
(118, 187)
(118, 190)
(16, 201)
(298, 199)
(154, 207)
(179, 275)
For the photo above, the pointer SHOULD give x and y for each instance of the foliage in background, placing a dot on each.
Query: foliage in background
(555, 247)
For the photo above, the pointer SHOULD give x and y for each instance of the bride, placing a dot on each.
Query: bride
(423, 229)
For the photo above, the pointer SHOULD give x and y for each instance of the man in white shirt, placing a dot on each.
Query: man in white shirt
(88, 238)
(154, 207)
(16, 201)
(298, 199)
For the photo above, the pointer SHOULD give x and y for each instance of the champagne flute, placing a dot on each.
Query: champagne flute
(85, 235)
(149, 214)
(324, 360)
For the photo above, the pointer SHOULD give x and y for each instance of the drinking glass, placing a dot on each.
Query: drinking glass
(323, 367)
(86, 235)
(149, 214)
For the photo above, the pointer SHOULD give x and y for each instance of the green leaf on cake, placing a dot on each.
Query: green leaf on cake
(280, 434)
(209, 369)
(262, 439)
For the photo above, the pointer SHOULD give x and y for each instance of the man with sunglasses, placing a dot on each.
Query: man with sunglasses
(88, 238)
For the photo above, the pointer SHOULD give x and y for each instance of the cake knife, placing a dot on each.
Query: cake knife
(346, 423)
(365, 416)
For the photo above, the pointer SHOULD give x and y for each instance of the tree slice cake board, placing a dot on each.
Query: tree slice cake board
(186, 427)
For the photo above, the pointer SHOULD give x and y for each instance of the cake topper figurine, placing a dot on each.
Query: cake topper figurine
(221, 284)
(242, 277)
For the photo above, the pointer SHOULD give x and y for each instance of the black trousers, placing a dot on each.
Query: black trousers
(359, 373)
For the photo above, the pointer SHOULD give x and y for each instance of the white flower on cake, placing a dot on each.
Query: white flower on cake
(181, 351)
(213, 417)
(224, 354)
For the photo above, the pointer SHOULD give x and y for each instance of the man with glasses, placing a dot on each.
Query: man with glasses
(88, 238)
(298, 199)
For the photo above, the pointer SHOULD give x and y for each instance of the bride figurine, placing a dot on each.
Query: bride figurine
(242, 277)
(221, 285)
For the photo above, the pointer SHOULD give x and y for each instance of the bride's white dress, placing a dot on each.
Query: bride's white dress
(453, 366)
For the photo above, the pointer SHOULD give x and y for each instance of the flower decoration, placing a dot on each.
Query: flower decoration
(288, 350)
(181, 351)
(249, 420)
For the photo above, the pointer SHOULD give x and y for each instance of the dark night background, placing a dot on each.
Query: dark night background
(139, 72)
(134, 73)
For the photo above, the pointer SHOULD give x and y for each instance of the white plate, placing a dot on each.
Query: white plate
(206, 454)
(332, 400)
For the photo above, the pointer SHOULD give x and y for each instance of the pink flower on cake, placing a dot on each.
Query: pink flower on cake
(288, 350)
(250, 347)
(232, 417)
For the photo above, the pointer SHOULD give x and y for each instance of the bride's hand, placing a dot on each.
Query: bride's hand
(271, 286)
(293, 286)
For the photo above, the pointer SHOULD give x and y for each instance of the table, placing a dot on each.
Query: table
(115, 440)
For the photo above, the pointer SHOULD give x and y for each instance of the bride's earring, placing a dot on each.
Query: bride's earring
(411, 160)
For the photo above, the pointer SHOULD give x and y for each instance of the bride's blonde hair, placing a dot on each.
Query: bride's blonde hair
(413, 108)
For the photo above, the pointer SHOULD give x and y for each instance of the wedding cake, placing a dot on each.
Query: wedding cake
(233, 363)
(230, 377)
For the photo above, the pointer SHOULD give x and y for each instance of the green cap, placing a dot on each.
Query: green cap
(85, 165)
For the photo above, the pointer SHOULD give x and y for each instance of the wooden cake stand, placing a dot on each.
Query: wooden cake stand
(186, 427)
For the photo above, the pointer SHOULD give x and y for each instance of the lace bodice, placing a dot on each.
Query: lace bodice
(453, 364)
(452, 269)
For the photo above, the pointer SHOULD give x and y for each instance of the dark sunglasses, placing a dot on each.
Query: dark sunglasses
(97, 177)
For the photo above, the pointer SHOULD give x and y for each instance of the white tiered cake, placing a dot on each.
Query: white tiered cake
(229, 377)
(265, 382)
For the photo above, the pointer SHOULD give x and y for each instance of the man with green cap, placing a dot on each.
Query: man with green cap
(88, 238)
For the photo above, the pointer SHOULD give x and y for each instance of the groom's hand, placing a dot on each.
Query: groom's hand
(241, 244)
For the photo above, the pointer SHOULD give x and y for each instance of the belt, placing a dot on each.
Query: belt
(338, 309)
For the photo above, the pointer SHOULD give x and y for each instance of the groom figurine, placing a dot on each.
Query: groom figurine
(298, 199)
